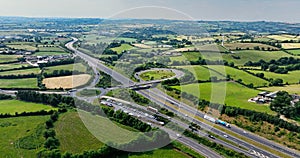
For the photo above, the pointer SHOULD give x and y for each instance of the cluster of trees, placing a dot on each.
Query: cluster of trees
(57, 73)
(291, 64)
(31, 75)
(146, 33)
(49, 134)
(217, 147)
(54, 100)
(55, 63)
(5, 97)
(36, 113)
(106, 81)
(149, 66)
(259, 116)
(282, 104)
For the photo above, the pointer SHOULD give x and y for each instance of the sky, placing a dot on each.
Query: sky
(236, 10)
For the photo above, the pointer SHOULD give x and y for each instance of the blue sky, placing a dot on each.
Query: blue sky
(238, 10)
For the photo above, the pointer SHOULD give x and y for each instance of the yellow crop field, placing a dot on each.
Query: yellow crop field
(290, 45)
(66, 81)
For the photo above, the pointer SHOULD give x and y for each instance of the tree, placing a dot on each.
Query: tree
(282, 100)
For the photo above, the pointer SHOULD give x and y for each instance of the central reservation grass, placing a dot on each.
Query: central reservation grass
(14, 129)
(19, 83)
(156, 75)
(234, 93)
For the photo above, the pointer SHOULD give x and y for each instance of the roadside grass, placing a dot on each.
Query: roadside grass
(78, 66)
(81, 131)
(12, 66)
(156, 75)
(9, 58)
(291, 77)
(22, 47)
(21, 72)
(229, 93)
(88, 93)
(122, 48)
(19, 83)
(166, 152)
(18, 132)
(66, 82)
(239, 74)
(293, 89)
(187, 56)
(50, 53)
(13, 106)
(233, 46)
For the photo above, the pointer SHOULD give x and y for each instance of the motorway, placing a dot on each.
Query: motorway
(160, 98)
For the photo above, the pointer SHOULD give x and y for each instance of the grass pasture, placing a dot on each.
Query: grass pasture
(50, 49)
(19, 83)
(21, 131)
(22, 47)
(202, 73)
(9, 58)
(234, 93)
(292, 77)
(12, 66)
(90, 132)
(21, 72)
(233, 46)
(88, 93)
(66, 82)
(78, 66)
(293, 89)
(158, 153)
(239, 74)
(122, 48)
(12, 106)
(50, 53)
(254, 56)
(156, 75)
(283, 37)
(294, 51)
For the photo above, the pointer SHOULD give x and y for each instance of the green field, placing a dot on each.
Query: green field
(50, 49)
(292, 77)
(50, 53)
(23, 47)
(21, 72)
(26, 129)
(156, 75)
(254, 55)
(123, 47)
(239, 74)
(233, 46)
(78, 66)
(202, 73)
(71, 130)
(9, 58)
(293, 89)
(294, 51)
(12, 106)
(234, 93)
(187, 56)
(19, 83)
(12, 66)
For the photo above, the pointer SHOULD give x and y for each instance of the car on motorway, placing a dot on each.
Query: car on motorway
(210, 136)
(226, 136)
(178, 135)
